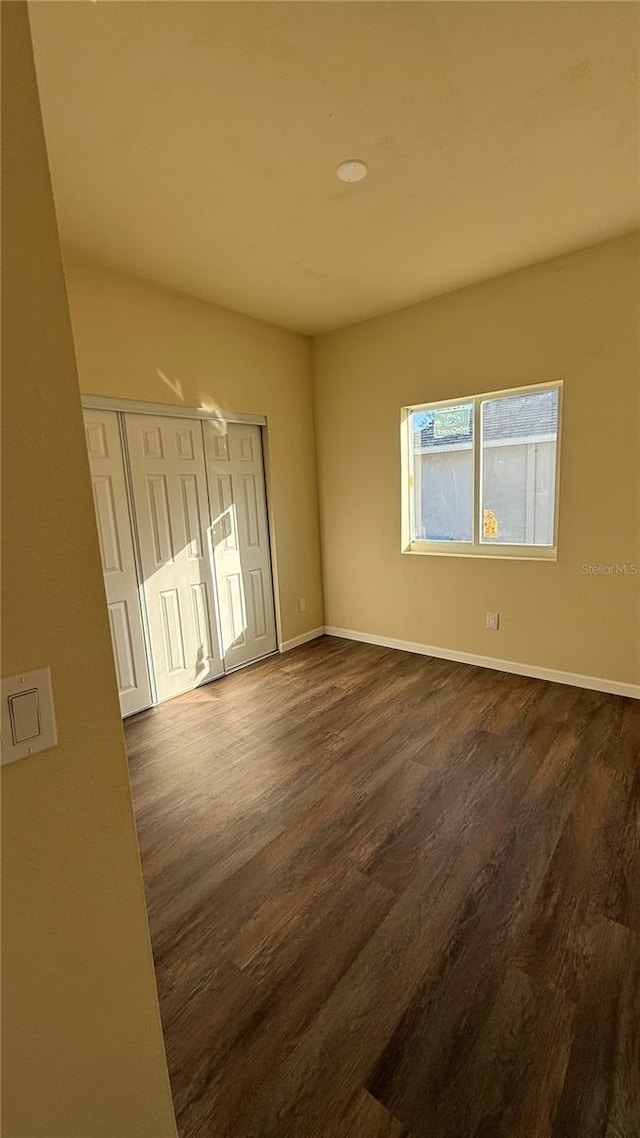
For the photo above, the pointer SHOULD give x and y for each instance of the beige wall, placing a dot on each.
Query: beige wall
(82, 1047)
(129, 335)
(574, 318)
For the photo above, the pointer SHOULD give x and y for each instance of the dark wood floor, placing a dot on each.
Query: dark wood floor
(392, 895)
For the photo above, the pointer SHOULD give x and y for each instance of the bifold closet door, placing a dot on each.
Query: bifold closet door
(104, 445)
(166, 458)
(240, 539)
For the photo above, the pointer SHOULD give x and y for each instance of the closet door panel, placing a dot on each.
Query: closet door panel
(240, 541)
(172, 516)
(115, 537)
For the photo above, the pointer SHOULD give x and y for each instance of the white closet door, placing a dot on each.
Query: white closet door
(240, 541)
(118, 560)
(172, 515)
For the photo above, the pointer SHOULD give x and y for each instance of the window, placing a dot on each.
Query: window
(480, 475)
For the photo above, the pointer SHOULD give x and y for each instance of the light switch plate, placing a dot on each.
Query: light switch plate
(40, 681)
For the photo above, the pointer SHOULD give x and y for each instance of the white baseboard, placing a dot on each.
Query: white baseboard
(594, 683)
(287, 645)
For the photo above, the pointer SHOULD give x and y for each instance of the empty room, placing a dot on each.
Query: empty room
(320, 569)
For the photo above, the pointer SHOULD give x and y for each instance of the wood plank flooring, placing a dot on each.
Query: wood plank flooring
(394, 896)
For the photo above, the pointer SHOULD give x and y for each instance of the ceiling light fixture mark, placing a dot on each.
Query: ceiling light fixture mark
(353, 170)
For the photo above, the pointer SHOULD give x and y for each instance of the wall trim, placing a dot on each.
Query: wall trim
(173, 410)
(593, 683)
(287, 645)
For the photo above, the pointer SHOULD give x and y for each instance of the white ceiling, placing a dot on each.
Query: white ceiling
(195, 144)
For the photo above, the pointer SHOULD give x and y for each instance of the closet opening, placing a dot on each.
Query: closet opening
(181, 510)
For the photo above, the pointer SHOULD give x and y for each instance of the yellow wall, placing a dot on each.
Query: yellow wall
(129, 334)
(574, 318)
(82, 1049)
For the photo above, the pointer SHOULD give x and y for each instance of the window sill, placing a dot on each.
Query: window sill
(493, 552)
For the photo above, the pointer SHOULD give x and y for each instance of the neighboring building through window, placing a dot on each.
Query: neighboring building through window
(482, 472)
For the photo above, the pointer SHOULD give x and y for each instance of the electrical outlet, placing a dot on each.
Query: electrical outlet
(493, 621)
(302, 604)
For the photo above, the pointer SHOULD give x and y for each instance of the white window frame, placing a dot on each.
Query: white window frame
(474, 548)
